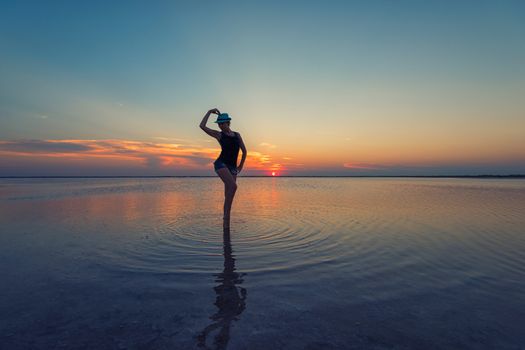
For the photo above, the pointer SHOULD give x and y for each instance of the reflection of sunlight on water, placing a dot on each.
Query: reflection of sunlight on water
(274, 193)
(350, 247)
(279, 223)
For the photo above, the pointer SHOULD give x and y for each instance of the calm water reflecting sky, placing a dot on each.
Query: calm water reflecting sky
(308, 263)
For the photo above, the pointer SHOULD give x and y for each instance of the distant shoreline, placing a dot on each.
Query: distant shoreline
(513, 176)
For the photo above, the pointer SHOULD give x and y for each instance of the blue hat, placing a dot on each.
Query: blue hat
(222, 118)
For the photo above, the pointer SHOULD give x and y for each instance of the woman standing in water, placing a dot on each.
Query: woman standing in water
(226, 165)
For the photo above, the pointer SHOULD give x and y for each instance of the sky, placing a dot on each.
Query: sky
(314, 87)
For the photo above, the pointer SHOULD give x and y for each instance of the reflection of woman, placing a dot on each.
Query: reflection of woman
(226, 165)
(228, 300)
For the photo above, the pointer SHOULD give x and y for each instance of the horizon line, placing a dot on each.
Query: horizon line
(269, 176)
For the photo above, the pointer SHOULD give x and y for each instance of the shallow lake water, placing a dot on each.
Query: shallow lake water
(309, 263)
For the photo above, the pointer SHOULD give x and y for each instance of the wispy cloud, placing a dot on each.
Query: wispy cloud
(266, 144)
(155, 155)
(148, 153)
(43, 146)
(163, 138)
(363, 166)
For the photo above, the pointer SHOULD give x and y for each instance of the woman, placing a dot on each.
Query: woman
(226, 164)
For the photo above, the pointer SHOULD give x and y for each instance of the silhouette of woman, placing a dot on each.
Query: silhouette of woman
(226, 164)
(229, 302)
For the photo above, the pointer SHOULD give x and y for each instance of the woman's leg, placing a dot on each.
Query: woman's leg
(229, 192)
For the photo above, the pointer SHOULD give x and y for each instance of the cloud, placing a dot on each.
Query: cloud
(43, 146)
(363, 166)
(266, 144)
(153, 161)
(162, 138)
(154, 155)
(129, 157)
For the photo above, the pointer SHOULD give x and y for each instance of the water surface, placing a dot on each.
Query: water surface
(309, 263)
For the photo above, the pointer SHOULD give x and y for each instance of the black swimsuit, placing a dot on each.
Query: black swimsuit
(230, 152)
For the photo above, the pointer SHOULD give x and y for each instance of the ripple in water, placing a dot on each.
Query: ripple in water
(335, 252)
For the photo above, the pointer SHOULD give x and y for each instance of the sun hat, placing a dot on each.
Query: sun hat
(223, 117)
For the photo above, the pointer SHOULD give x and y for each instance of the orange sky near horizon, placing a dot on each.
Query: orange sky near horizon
(415, 88)
(165, 158)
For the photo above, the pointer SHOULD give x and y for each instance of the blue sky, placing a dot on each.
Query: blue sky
(326, 83)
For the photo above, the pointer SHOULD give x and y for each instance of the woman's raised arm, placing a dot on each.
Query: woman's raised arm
(213, 133)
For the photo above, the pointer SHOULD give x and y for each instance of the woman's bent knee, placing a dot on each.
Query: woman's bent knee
(231, 188)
